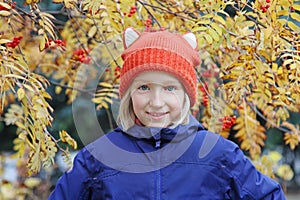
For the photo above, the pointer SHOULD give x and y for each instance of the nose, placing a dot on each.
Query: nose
(156, 99)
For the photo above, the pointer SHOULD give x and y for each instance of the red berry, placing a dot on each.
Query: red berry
(205, 100)
(86, 60)
(268, 1)
(63, 43)
(131, 11)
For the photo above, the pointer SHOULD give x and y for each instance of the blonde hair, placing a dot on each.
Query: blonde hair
(126, 117)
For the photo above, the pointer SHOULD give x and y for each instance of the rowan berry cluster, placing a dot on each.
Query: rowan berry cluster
(148, 23)
(15, 42)
(13, 5)
(228, 122)
(81, 56)
(264, 7)
(131, 12)
(205, 97)
(205, 100)
(55, 43)
(117, 71)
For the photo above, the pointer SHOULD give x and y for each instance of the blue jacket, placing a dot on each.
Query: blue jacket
(186, 162)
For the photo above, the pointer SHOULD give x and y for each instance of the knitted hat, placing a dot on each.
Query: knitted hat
(160, 51)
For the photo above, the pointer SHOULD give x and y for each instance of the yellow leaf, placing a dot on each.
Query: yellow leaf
(92, 31)
(284, 3)
(58, 90)
(28, 87)
(288, 62)
(103, 104)
(274, 16)
(65, 137)
(41, 22)
(50, 30)
(275, 156)
(4, 41)
(46, 95)
(21, 94)
(208, 38)
(70, 3)
(15, 76)
(285, 172)
(295, 16)
(268, 32)
(205, 21)
(293, 66)
(217, 28)
(213, 34)
(97, 100)
(105, 84)
(219, 19)
(210, 15)
(57, 1)
(5, 5)
(296, 7)
(282, 13)
(291, 139)
(294, 27)
(291, 55)
(5, 13)
(42, 44)
(32, 182)
(21, 125)
(199, 28)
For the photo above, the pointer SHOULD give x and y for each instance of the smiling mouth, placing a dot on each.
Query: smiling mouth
(155, 115)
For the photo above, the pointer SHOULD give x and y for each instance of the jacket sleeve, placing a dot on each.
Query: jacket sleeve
(246, 181)
(71, 184)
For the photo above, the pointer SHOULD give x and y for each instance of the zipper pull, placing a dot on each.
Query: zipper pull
(157, 144)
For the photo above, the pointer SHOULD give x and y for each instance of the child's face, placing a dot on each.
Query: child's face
(157, 99)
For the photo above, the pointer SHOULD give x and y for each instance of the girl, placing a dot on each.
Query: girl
(159, 151)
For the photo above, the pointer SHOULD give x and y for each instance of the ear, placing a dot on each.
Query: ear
(191, 39)
(130, 35)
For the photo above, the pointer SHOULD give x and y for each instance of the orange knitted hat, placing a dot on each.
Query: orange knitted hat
(160, 51)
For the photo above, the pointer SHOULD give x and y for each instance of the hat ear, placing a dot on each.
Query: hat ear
(130, 35)
(191, 39)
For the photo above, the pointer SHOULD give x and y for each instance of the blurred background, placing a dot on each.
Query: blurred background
(277, 157)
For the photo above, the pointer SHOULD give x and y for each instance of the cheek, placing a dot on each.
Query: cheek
(177, 101)
(138, 102)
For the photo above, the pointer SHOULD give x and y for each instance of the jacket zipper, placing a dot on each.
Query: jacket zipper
(158, 175)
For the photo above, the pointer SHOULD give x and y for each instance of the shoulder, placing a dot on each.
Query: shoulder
(89, 157)
(213, 141)
(215, 148)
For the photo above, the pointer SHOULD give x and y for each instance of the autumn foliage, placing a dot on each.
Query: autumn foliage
(250, 67)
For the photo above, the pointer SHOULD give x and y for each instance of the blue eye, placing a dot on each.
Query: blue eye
(170, 88)
(143, 87)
